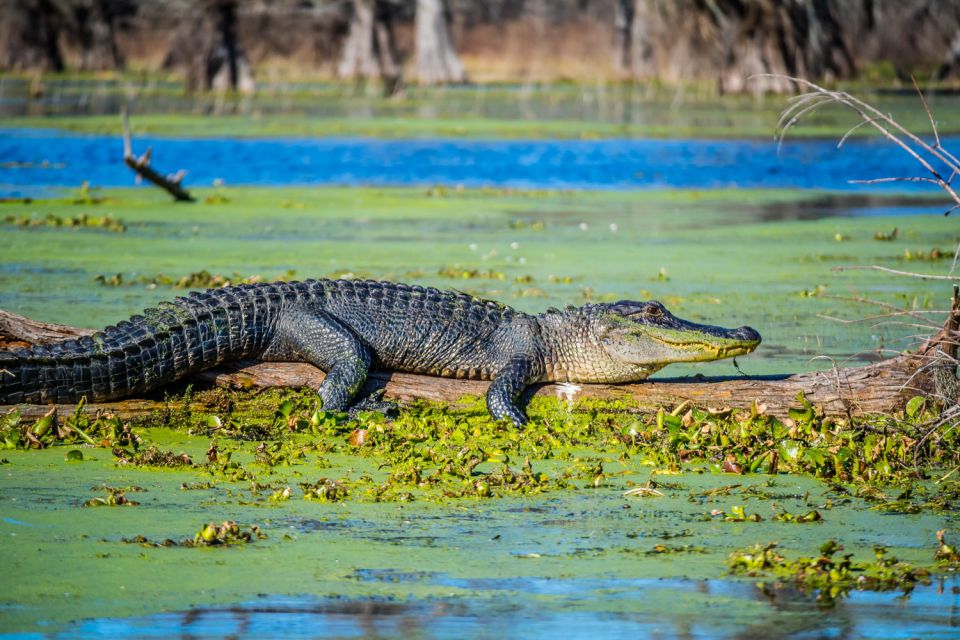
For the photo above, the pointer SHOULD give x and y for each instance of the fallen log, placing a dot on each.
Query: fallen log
(880, 388)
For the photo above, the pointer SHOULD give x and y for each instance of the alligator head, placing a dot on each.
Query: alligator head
(645, 333)
(626, 341)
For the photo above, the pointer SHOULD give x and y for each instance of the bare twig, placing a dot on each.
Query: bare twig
(141, 165)
(924, 153)
(926, 107)
(873, 267)
(898, 179)
(854, 128)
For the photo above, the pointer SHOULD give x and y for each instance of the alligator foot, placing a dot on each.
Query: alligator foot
(374, 402)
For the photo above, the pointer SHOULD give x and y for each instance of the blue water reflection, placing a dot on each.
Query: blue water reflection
(37, 158)
(587, 609)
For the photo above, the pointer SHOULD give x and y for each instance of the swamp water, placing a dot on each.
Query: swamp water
(33, 158)
(585, 561)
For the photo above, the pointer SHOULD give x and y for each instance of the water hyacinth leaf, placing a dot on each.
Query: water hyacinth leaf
(730, 465)
(915, 406)
(815, 457)
(74, 455)
(791, 450)
(802, 416)
(358, 437)
(43, 424)
(285, 409)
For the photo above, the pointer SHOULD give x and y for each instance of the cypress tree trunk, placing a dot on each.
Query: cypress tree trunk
(29, 36)
(210, 52)
(95, 32)
(437, 60)
(368, 52)
(736, 42)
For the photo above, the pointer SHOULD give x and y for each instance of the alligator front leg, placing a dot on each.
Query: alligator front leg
(328, 344)
(507, 386)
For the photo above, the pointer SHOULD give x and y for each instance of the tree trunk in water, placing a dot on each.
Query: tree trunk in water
(94, 27)
(368, 52)
(437, 60)
(880, 388)
(738, 42)
(29, 36)
(210, 51)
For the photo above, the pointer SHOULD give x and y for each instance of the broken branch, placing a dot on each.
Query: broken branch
(141, 166)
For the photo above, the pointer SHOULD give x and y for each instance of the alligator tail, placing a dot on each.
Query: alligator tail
(145, 352)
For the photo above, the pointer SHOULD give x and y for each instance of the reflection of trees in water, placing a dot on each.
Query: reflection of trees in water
(785, 612)
(835, 206)
(370, 617)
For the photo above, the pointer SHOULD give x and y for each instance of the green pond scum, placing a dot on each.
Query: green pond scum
(223, 495)
(590, 489)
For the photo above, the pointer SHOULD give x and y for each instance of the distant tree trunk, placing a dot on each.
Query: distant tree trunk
(734, 40)
(642, 17)
(93, 23)
(369, 52)
(437, 60)
(951, 61)
(29, 36)
(210, 51)
(623, 24)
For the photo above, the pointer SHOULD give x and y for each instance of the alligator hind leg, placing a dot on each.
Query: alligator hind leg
(329, 345)
(507, 386)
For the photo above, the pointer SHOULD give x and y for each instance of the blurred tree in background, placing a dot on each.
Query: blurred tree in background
(224, 44)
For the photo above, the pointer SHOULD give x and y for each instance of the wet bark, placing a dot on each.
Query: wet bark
(369, 52)
(437, 60)
(210, 52)
(880, 388)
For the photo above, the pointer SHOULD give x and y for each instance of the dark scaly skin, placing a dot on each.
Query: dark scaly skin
(347, 328)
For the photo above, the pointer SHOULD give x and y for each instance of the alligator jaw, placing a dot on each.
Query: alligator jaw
(712, 351)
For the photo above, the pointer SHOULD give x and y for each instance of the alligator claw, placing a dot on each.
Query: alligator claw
(374, 402)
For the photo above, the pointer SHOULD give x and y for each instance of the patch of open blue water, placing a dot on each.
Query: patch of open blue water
(38, 158)
(727, 609)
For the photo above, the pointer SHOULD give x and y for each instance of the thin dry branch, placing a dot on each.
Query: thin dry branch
(924, 153)
(141, 165)
(926, 107)
(898, 272)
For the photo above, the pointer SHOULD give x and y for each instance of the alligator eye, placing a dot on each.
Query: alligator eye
(653, 311)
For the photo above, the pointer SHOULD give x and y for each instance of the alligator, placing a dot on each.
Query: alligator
(348, 327)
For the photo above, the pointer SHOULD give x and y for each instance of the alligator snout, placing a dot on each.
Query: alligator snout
(747, 334)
